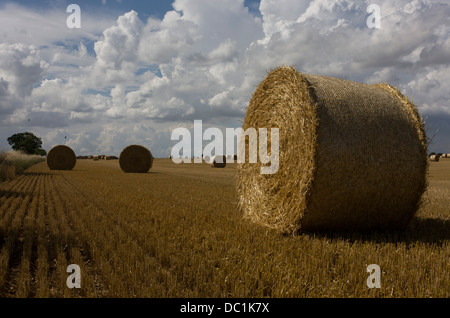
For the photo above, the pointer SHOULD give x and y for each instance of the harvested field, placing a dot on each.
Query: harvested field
(151, 235)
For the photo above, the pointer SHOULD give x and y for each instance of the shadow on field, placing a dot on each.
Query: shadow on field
(141, 173)
(424, 230)
(26, 173)
(9, 193)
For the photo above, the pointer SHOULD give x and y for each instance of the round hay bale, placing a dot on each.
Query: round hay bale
(434, 158)
(219, 161)
(95, 158)
(337, 139)
(135, 159)
(207, 159)
(61, 158)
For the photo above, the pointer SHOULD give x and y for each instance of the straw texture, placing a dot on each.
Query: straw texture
(61, 158)
(337, 140)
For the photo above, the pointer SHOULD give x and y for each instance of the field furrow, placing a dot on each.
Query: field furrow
(112, 245)
(12, 226)
(41, 285)
(22, 283)
(9, 192)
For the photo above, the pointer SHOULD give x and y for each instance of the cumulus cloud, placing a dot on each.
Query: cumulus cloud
(220, 20)
(120, 41)
(21, 67)
(166, 39)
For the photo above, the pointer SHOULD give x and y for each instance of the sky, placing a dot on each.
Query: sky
(136, 70)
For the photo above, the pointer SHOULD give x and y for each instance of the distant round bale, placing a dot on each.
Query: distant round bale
(219, 161)
(337, 141)
(207, 159)
(61, 158)
(135, 159)
(434, 158)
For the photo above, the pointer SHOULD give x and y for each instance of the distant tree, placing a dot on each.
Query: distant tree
(28, 143)
(41, 152)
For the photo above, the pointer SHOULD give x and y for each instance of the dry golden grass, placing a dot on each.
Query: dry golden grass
(14, 163)
(177, 232)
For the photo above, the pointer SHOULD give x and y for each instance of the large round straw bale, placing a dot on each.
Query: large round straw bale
(61, 158)
(135, 159)
(219, 161)
(434, 158)
(337, 139)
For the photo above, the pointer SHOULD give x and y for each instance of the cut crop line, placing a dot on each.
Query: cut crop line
(42, 266)
(23, 282)
(10, 241)
(113, 242)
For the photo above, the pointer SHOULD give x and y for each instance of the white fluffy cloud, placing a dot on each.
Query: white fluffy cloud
(21, 67)
(131, 79)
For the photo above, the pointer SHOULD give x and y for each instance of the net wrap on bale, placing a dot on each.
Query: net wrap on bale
(351, 155)
(135, 159)
(61, 157)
